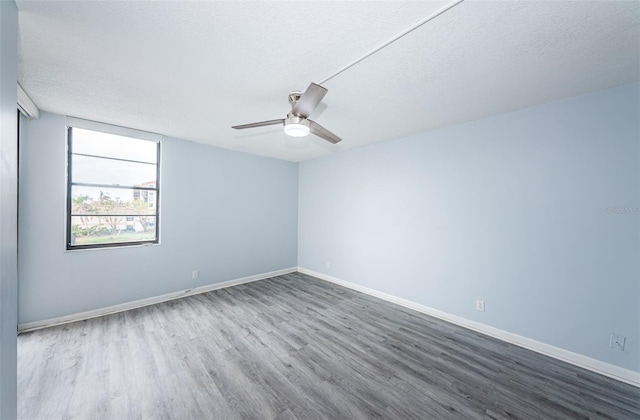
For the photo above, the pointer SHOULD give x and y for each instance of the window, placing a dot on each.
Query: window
(112, 186)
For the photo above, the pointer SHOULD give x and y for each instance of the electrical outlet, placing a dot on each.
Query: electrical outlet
(195, 274)
(617, 341)
(480, 305)
(328, 264)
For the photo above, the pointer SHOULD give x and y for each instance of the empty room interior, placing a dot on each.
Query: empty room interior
(320, 209)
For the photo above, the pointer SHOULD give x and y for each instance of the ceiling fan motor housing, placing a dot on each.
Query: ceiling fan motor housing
(294, 97)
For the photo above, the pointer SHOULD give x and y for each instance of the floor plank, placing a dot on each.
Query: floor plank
(295, 347)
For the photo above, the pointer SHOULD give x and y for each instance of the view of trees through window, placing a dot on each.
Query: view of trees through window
(112, 189)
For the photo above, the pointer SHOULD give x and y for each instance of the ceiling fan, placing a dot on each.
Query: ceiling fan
(297, 122)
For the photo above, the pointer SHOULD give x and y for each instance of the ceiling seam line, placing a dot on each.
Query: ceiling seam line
(395, 38)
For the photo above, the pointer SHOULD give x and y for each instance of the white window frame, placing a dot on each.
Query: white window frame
(121, 131)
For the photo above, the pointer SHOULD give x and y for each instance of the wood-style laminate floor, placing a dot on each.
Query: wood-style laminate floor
(295, 347)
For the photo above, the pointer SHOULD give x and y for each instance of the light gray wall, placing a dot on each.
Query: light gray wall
(226, 214)
(510, 209)
(8, 208)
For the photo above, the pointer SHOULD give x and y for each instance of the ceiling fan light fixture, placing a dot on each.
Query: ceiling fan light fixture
(296, 127)
(296, 130)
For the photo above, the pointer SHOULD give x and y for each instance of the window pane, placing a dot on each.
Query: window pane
(95, 170)
(98, 200)
(91, 230)
(112, 184)
(110, 145)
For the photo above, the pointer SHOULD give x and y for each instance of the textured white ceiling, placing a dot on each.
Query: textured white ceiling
(191, 70)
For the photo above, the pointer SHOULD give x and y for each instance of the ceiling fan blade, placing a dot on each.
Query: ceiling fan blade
(259, 124)
(309, 100)
(322, 132)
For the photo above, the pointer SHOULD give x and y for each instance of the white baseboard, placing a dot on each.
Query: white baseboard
(606, 369)
(36, 325)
